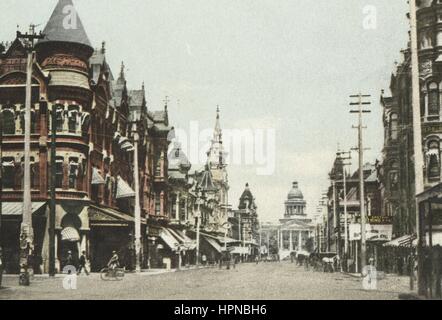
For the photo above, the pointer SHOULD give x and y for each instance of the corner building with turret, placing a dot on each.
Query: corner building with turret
(95, 117)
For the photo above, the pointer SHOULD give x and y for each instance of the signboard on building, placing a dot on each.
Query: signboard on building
(384, 220)
(373, 232)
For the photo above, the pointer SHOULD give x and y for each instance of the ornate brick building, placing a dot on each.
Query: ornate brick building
(397, 166)
(95, 115)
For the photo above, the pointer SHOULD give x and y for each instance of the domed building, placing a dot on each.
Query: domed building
(295, 203)
(294, 230)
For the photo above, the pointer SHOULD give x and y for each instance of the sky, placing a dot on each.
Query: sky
(285, 67)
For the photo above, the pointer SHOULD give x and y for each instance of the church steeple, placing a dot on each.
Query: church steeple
(216, 154)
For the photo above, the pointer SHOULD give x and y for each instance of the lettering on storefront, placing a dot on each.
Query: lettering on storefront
(379, 220)
(62, 60)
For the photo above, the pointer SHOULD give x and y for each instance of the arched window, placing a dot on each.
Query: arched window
(59, 117)
(433, 99)
(8, 124)
(433, 160)
(393, 176)
(394, 126)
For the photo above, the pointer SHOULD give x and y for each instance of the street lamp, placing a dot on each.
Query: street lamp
(201, 196)
(227, 226)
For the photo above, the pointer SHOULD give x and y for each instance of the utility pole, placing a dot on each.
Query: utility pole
(417, 139)
(27, 232)
(360, 103)
(1, 177)
(137, 214)
(344, 179)
(52, 213)
(336, 224)
(200, 198)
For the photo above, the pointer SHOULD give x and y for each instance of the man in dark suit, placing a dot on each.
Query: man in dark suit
(82, 263)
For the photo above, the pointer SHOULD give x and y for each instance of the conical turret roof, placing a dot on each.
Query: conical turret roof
(65, 26)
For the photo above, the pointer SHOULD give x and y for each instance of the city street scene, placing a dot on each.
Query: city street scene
(220, 150)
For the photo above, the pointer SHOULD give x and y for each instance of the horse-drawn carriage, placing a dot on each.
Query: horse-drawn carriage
(325, 261)
(301, 257)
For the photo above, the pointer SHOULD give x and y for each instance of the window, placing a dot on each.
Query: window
(158, 168)
(157, 205)
(8, 176)
(433, 99)
(394, 181)
(394, 126)
(59, 117)
(73, 172)
(59, 172)
(73, 116)
(182, 210)
(394, 176)
(22, 120)
(8, 121)
(173, 213)
(433, 159)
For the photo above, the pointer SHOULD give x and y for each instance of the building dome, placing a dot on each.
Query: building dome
(295, 193)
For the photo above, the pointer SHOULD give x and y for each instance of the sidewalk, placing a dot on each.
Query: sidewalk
(144, 272)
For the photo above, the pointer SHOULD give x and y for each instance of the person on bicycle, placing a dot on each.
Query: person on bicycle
(114, 262)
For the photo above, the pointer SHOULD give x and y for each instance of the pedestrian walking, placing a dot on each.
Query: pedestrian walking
(204, 259)
(1, 267)
(69, 259)
(82, 263)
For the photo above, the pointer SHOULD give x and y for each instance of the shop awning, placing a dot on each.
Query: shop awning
(169, 239)
(123, 189)
(221, 239)
(184, 240)
(96, 177)
(404, 241)
(241, 250)
(16, 208)
(70, 234)
(100, 216)
(214, 243)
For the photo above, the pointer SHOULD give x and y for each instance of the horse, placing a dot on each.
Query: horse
(302, 257)
(329, 263)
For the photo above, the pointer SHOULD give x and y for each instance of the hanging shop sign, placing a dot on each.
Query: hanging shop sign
(373, 232)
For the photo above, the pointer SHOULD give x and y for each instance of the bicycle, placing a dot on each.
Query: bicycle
(107, 274)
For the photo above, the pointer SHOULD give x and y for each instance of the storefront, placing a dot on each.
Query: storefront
(111, 230)
(10, 232)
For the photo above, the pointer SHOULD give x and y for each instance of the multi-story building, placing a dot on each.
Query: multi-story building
(245, 225)
(335, 222)
(397, 166)
(94, 149)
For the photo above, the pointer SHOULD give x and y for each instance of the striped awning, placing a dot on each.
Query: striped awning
(70, 234)
(96, 177)
(184, 240)
(404, 241)
(169, 239)
(123, 189)
(214, 244)
(16, 208)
